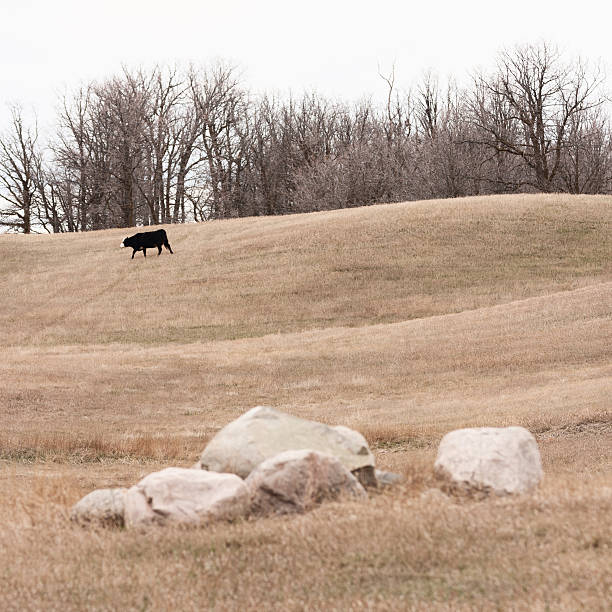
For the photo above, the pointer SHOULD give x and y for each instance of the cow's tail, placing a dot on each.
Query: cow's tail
(166, 243)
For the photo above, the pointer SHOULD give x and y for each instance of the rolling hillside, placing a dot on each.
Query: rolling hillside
(250, 277)
(402, 320)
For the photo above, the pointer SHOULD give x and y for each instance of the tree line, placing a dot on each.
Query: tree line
(170, 146)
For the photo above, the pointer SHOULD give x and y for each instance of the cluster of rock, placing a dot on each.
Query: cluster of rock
(267, 462)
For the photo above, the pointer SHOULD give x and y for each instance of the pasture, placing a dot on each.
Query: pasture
(403, 321)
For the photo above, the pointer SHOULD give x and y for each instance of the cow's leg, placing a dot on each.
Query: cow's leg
(158, 250)
(167, 245)
(144, 251)
(133, 253)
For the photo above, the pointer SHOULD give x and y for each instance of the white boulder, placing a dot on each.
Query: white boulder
(499, 460)
(185, 496)
(104, 507)
(263, 432)
(297, 481)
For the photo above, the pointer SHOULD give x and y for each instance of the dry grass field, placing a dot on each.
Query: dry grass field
(403, 321)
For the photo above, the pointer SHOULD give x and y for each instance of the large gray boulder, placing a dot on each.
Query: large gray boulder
(297, 481)
(489, 459)
(263, 432)
(103, 507)
(185, 496)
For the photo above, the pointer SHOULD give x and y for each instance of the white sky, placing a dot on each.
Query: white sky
(335, 46)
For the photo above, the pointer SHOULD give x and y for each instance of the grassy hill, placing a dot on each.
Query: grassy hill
(249, 277)
(403, 321)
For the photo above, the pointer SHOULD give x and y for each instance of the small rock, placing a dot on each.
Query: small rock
(387, 479)
(104, 507)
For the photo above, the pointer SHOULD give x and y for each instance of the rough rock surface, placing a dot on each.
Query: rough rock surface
(499, 460)
(297, 481)
(262, 433)
(185, 496)
(104, 507)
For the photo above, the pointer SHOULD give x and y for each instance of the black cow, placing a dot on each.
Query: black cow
(147, 240)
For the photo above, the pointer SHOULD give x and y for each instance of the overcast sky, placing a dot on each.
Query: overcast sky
(335, 47)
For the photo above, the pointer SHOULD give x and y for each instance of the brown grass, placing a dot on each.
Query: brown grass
(403, 321)
(250, 277)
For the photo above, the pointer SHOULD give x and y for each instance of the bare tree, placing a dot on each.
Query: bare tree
(20, 163)
(586, 166)
(74, 161)
(428, 106)
(170, 139)
(220, 107)
(526, 108)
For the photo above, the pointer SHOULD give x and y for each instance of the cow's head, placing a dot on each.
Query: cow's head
(125, 243)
